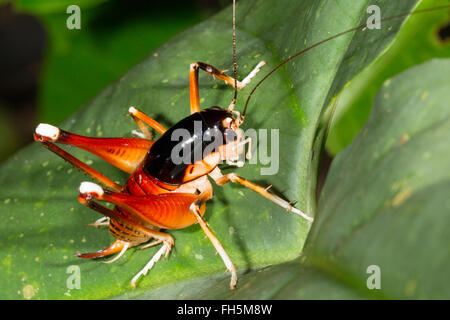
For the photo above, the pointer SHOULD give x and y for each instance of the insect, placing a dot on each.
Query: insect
(161, 194)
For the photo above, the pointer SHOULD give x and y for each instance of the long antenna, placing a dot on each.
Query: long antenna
(234, 52)
(362, 26)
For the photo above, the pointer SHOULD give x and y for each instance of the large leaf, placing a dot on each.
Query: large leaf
(44, 223)
(114, 36)
(392, 208)
(417, 42)
(385, 204)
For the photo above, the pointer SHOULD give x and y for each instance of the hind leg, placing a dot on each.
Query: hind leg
(89, 191)
(123, 153)
(163, 251)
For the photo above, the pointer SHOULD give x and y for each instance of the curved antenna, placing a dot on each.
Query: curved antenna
(234, 52)
(361, 26)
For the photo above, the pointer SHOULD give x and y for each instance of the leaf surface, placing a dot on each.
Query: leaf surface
(45, 224)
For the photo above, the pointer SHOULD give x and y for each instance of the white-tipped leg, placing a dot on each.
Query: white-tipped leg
(89, 188)
(48, 131)
(251, 75)
(217, 245)
(125, 248)
(164, 250)
(103, 221)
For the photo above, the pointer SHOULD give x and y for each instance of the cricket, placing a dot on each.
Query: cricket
(161, 194)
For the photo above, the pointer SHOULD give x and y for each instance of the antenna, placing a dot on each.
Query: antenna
(234, 52)
(361, 26)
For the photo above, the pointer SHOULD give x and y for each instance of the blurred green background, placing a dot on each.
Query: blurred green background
(48, 71)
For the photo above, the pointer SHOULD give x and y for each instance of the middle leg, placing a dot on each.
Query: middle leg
(233, 177)
(217, 245)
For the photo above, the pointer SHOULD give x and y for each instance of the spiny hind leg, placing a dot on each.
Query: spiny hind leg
(46, 134)
(90, 191)
(124, 153)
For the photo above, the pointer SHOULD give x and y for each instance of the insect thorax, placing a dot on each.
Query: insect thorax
(188, 150)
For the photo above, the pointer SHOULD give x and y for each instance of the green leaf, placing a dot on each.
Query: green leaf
(45, 225)
(416, 43)
(113, 38)
(53, 6)
(385, 203)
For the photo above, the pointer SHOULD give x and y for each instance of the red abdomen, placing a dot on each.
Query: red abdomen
(157, 205)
